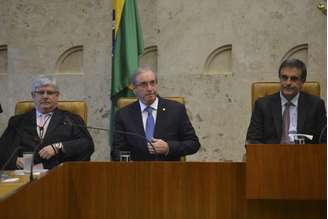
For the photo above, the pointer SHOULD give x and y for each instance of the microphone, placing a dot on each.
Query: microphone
(17, 149)
(322, 133)
(68, 121)
(299, 138)
(36, 148)
(2, 175)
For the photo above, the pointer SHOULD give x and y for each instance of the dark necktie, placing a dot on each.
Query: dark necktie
(150, 124)
(285, 124)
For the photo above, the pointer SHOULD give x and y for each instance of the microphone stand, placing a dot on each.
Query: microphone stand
(321, 134)
(32, 162)
(70, 123)
(34, 152)
(2, 175)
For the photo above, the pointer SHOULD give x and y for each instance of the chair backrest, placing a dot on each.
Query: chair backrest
(77, 107)
(261, 89)
(124, 101)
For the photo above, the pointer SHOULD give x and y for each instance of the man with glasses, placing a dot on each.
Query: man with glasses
(290, 111)
(44, 129)
(152, 128)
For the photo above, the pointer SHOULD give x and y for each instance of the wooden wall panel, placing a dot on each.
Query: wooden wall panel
(290, 172)
(147, 190)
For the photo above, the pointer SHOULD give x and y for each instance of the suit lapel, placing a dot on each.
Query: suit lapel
(30, 126)
(276, 111)
(160, 118)
(137, 119)
(27, 130)
(56, 119)
(300, 113)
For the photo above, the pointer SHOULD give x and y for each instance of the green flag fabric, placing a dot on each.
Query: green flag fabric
(128, 46)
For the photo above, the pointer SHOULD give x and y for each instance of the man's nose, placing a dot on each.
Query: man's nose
(149, 86)
(289, 81)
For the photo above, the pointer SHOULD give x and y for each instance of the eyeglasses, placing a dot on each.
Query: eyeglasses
(292, 78)
(43, 92)
(144, 84)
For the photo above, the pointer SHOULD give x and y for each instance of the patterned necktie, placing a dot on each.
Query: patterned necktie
(285, 124)
(43, 124)
(150, 124)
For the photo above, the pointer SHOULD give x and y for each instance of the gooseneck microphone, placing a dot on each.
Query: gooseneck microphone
(322, 134)
(36, 148)
(68, 121)
(8, 161)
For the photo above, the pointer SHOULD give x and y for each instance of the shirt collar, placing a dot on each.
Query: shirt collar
(39, 114)
(154, 105)
(294, 101)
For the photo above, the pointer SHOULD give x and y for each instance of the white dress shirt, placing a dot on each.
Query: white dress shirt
(42, 121)
(144, 113)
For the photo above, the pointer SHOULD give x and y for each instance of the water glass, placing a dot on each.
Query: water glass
(125, 156)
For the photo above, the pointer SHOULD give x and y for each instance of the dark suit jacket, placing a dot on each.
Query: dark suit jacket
(172, 125)
(266, 122)
(21, 132)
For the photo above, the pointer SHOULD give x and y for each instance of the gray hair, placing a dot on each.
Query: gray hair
(294, 63)
(139, 71)
(42, 80)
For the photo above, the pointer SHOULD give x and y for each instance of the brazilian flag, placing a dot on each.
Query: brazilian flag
(127, 47)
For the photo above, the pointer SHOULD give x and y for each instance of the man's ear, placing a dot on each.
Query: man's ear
(133, 88)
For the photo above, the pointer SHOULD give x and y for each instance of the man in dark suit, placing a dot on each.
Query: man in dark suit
(277, 117)
(44, 129)
(162, 122)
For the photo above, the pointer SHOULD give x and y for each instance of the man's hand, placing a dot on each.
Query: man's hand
(47, 152)
(20, 163)
(160, 146)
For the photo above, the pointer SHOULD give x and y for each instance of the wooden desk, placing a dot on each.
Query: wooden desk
(289, 172)
(7, 188)
(147, 190)
(133, 190)
(286, 181)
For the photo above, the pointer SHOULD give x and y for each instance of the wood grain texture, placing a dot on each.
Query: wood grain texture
(296, 172)
(161, 190)
(148, 190)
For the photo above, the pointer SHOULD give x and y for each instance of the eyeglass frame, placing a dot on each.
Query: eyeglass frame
(43, 92)
(292, 78)
(144, 84)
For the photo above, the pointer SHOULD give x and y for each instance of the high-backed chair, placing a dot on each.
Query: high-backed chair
(77, 107)
(261, 89)
(124, 101)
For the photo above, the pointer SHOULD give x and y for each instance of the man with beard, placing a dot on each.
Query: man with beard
(159, 128)
(289, 111)
(43, 129)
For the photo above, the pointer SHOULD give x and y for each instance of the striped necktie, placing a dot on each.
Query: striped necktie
(285, 124)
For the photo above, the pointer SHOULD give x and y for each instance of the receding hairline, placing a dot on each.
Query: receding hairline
(294, 63)
(140, 71)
